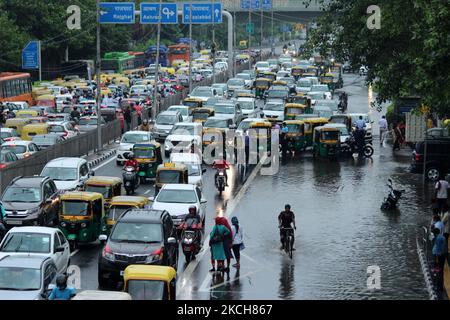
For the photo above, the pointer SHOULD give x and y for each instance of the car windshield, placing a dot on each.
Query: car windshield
(295, 111)
(320, 88)
(325, 103)
(105, 191)
(169, 176)
(236, 82)
(15, 148)
(277, 93)
(137, 232)
(304, 84)
(5, 134)
(216, 123)
(115, 211)
(316, 96)
(183, 111)
(143, 153)
(60, 173)
(201, 115)
(56, 129)
(224, 109)
(274, 107)
(22, 194)
(243, 76)
(262, 65)
(330, 135)
(75, 208)
(177, 196)
(183, 130)
(146, 289)
(202, 92)
(20, 278)
(26, 242)
(134, 138)
(247, 105)
(166, 119)
(86, 122)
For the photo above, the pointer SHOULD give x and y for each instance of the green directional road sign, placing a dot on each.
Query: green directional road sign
(250, 28)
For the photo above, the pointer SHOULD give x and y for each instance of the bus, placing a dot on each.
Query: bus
(15, 86)
(178, 52)
(151, 55)
(139, 59)
(117, 62)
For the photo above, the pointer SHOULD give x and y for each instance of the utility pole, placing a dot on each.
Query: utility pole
(190, 47)
(262, 20)
(158, 40)
(213, 46)
(40, 60)
(235, 42)
(273, 37)
(99, 91)
(249, 35)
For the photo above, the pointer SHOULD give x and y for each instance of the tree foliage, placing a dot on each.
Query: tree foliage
(408, 55)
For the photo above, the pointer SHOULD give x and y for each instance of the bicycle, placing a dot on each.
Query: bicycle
(288, 241)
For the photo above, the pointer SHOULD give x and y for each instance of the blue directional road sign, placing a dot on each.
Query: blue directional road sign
(150, 13)
(117, 13)
(250, 4)
(267, 4)
(30, 55)
(202, 13)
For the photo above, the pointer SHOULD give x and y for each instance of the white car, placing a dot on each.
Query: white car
(22, 149)
(129, 139)
(282, 74)
(248, 107)
(322, 88)
(315, 96)
(221, 89)
(245, 125)
(262, 66)
(139, 89)
(274, 110)
(37, 241)
(177, 198)
(9, 134)
(247, 79)
(203, 93)
(222, 66)
(194, 165)
(67, 173)
(63, 128)
(303, 85)
(182, 135)
(185, 111)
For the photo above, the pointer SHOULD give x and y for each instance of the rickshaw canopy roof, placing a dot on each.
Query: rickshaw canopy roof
(33, 126)
(295, 105)
(323, 128)
(148, 272)
(102, 180)
(264, 124)
(81, 195)
(316, 120)
(128, 200)
(294, 122)
(17, 121)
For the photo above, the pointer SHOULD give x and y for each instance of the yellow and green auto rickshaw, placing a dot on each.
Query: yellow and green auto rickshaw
(109, 187)
(261, 85)
(328, 79)
(270, 75)
(327, 141)
(301, 98)
(149, 157)
(261, 133)
(33, 129)
(280, 83)
(82, 217)
(119, 205)
(297, 72)
(243, 44)
(171, 173)
(202, 114)
(310, 125)
(150, 282)
(27, 113)
(291, 110)
(312, 71)
(17, 124)
(193, 103)
(296, 135)
(342, 119)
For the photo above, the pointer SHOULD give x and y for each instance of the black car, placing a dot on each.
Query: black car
(31, 201)
(437, 159)
(140, 236)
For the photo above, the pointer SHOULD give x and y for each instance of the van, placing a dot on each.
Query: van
(437, 158)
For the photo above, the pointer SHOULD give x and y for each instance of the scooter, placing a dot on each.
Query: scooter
(191, 239)
(352, 148)
(130, 180)
(390, 203)
(220, 180)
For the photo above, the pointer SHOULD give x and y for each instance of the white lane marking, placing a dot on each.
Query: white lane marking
(193, 265)
(204, 287)
(148, 191)
(74, 253)
(104, 164)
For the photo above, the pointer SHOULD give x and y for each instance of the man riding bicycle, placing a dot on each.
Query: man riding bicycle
(285, 220)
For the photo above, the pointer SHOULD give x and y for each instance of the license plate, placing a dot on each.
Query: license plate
(14, 222)
(121, 273)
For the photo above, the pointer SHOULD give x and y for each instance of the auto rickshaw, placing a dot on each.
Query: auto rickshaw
(342, 119)
(193, 103)
(326, 142)
(119, 205)
(33, 129)
(243, 44)
(82, 217)
(291, 110)
(27, 113)
(301, 98)
(296, 135)
(170, 173)
(202, 114)
(149, 157)
(279, 83)
(313, 71)
(297, 72)
(150, 282)
(261, 85)
(310, 125)
(270, 75)
(46, 100)
(328, 79)
(109, 187)
(17, 124)
(261, 131)
(336, 68)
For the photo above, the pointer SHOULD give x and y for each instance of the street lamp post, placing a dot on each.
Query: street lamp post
(260, 45)
(98, 82)
(213, 47)
(190, 46)
(158, 41)
(249, 35)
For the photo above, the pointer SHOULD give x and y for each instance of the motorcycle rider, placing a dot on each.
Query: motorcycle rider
(131, 162)
(286, 219)
(193, 215)
(144, 126)
(360, 134)
(221, 165)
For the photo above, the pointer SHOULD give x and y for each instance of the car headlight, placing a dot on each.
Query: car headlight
(63, 224)
(83, 225)
(33, 211)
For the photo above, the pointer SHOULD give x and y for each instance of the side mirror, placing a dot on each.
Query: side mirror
(203, 201)
(117, 141)
(203, 170)
(261, 115)
(172, 240)
(49, 200)
(102, 238)
(151, 199)
(59, 249)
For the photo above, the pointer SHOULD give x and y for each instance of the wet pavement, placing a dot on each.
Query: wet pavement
(341, 230)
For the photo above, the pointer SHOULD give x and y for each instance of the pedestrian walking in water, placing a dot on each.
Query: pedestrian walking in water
(439, 254)
(227, 243)
(441, 193)
(217, 238)
(383, 129)
(238, 241)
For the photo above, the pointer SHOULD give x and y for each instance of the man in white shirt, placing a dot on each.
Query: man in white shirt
(441, 193)
(383, 129)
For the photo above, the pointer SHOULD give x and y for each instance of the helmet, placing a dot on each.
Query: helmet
(193, 209)
(287, 207)
(61, 282)
(145, 121)
(130, 155)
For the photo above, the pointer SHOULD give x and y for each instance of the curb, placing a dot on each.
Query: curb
(426, 272)
(102, 158)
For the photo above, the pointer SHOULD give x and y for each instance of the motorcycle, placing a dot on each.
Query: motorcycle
(220, 180)
(130, 180)
(352, 148)
(191, 239)
(394, 195)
